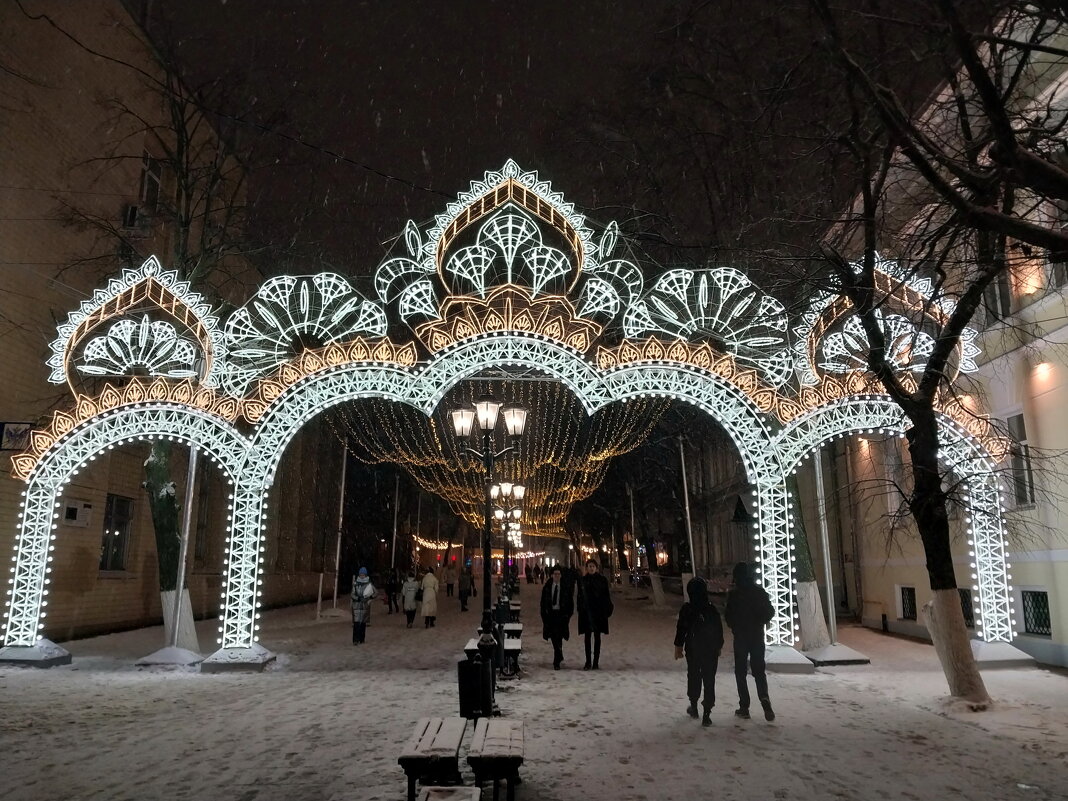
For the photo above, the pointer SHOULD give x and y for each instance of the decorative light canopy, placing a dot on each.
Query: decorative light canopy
(510, 279)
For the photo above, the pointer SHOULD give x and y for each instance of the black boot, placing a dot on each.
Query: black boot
(706, 719)
(691, 710)
(769, 713)
(597, 656)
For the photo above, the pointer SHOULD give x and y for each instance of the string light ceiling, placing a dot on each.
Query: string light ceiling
(561, 458)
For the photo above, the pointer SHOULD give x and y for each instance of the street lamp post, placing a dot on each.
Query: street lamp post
(484, 413)
(507, 515)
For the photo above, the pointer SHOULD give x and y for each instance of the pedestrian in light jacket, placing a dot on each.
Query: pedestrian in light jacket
(594, 609)
(363, 592)
(430, 598)
(409, 589)
(748, 611)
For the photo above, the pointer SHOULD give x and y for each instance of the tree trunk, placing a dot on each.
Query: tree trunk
(814, 633)
(946, 621)
(163, 503)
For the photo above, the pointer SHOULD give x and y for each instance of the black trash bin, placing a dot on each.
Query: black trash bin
(475, 680)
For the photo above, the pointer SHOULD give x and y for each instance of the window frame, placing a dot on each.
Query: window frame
(115, 560)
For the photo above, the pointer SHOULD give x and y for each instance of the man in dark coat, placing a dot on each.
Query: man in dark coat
(699, 633)
(594, 609)
(748, 611)
(557, 606)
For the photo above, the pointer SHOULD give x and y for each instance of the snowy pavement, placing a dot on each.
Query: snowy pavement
(327, 721)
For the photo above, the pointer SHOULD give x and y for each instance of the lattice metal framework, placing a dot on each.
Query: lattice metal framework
(72, 453)
(505, 299)
(962, 454)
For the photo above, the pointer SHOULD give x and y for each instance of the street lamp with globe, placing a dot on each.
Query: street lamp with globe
(484, 415)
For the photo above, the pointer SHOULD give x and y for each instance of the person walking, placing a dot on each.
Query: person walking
(392, 589)
(699, 634)
(409, 589)
(594, 609)
(557, 606)
(466, 583)
(363, 592)
(449, 576)
(748, 611)
(429, 587)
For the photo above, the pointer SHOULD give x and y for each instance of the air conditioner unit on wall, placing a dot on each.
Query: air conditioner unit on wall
(76, 512)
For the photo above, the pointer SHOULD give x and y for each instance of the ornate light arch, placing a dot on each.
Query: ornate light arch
(54, 470)
(748, 427)
(964, 454)
(706, 336)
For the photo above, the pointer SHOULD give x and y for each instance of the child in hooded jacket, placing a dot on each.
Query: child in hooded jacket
(699, 635)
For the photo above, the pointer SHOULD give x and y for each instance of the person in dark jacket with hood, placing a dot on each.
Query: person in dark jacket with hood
(699, 634)
(748, 611)
(594, 609)
(557, 606)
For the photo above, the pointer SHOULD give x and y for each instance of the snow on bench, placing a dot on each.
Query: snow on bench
(432, 753)
(496, 752)
(513, 630)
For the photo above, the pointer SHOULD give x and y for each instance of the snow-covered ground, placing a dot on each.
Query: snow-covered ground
(327, 721)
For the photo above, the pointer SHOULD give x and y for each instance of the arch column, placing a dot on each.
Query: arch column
(965, 455)
(40, 507)
(239, 639)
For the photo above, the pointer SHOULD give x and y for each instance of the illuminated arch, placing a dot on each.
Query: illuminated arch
(963, 453)
(425, 388)
(73, 452)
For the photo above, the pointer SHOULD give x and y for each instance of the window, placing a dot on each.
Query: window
(897, 477)
(1036, 612)
(1058, 259)
(1023, 484)
(151, 173)
(908, 603)
(998, 298)
(118, 515)
(966, 607)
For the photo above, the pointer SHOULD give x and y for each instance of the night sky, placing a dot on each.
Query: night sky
(429, 94)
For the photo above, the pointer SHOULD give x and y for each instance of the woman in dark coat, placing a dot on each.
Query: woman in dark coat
(557, 606)
(594, 608)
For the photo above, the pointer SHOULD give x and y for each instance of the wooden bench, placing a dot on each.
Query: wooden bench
(450, 794)
(432, 754)
(512, 648)
(496, 752)
(514, 609)
(471, 648)
(513, 631)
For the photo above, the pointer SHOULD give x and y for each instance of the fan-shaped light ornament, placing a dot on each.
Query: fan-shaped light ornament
(847, 350)
(142, 346)
(895, 278)
(290, 314)
(149, 283)
(720, 304)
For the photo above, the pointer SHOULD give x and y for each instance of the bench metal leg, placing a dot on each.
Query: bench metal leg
(411, 787)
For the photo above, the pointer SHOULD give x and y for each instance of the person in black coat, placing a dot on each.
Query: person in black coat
(594, 609)
(699, 634)
(748, 611)
(557, 606)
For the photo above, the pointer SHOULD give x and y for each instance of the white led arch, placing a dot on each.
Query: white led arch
(72, 453)
(303, 344)
(423, 388)
(961, 452)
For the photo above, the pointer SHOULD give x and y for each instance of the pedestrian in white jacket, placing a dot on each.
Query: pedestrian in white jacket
(430, 598)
